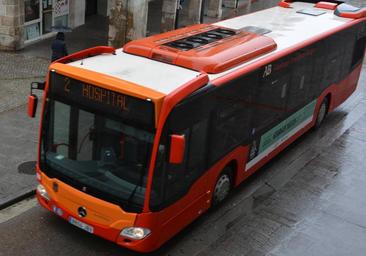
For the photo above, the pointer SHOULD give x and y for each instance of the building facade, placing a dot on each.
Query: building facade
(23, 22)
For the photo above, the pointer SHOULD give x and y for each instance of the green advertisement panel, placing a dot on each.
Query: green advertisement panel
(286, 126)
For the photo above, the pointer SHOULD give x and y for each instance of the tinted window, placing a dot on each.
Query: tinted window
(232, 121)
(359, 51)
(271, 95)
(197, 148)
(333, 60)
(348, 44)
(172, 181)
(300, 89)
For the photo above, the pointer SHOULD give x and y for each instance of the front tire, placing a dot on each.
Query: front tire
(322, 113)
(222, 188)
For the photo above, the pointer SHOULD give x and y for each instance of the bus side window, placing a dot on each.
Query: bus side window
(359, 51)
(348, 43)
(172, 181)
(318, 64)
(232, 122)
(180, 177)
(333, 59)
(300, 87)
(197, 148)
(271, 96)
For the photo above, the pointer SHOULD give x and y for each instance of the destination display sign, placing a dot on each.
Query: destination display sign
(102, 100)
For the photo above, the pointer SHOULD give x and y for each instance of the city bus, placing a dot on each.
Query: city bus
(138, 142)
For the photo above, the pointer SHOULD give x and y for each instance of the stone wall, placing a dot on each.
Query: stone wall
(76, 13)
(127, 21)
(11, 24)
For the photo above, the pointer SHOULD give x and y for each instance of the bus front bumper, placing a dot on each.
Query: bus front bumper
(112, 232)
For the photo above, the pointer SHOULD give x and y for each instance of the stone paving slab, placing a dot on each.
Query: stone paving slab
(16, 73)
(18, 146)
(18, 133)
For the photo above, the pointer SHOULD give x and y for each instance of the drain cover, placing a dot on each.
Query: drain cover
(27, 168)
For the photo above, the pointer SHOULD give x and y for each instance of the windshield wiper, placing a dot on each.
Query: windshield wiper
(139, 184)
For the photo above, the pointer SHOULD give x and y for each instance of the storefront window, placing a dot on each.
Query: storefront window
(62, 21)
(31, 10)
(41, 16)
(32, 31)
(61, 11)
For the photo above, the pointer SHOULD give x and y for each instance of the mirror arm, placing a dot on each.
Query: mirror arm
(37, 86)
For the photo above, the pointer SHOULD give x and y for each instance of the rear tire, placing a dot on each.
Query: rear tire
(222, 187)
(322, 113)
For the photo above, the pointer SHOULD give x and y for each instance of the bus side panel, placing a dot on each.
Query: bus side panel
(339, 93)
(237, 156)
(345, 88)
(169, 221)
(276, 151)
(190, 206)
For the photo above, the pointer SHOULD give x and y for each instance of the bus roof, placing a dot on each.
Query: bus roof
(286, 26)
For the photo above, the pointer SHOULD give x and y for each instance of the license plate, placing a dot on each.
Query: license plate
(57, 210)
(81, 225)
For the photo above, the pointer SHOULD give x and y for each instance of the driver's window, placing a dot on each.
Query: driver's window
(61, 129)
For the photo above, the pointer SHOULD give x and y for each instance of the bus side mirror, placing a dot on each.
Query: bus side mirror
(32, 98)
(177, 148)
(32, 105)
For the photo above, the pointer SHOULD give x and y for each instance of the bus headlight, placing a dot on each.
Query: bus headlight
(42, 192)
(135, 233)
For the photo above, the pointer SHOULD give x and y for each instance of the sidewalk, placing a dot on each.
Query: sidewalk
(19, 133)
(18, 149)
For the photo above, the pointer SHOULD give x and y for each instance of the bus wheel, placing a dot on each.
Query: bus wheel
(222, 187)
(322, 113)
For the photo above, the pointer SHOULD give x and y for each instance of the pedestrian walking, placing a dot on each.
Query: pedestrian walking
(59, 49)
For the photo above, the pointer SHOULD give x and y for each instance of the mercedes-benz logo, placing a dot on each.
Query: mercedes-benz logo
(82, 212)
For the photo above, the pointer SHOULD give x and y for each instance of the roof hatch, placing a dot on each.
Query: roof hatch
(208, 48)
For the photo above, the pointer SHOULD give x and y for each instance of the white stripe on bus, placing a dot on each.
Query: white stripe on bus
(277, 144)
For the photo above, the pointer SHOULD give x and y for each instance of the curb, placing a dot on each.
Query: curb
(17, 199)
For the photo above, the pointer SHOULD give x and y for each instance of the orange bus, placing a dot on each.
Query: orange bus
(136, 143)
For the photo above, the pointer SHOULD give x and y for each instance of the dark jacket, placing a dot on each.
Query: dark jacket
(58, 47)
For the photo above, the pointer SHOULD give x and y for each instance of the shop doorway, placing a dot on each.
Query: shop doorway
(41, 15)
(154, 17)
(91, 7)
(47, 17)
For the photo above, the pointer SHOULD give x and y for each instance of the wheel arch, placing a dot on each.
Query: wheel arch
(232, 165)
(329, 97)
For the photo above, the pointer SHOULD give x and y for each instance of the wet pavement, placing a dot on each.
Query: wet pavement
(19, 134)
(18, 138)
(309, 200)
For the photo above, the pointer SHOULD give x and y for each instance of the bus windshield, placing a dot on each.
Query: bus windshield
(101, 154)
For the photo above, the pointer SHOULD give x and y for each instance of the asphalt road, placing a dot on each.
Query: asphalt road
(310, 200)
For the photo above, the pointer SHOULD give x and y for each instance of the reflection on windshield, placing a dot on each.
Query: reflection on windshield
(97, 152)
